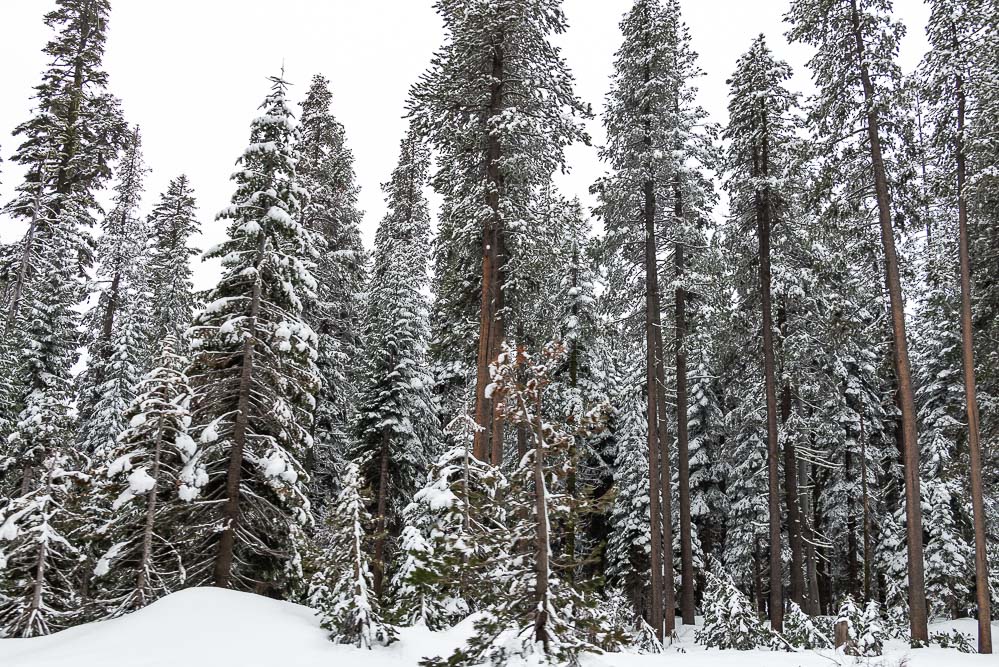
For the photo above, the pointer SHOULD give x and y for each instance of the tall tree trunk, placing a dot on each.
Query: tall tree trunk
(763, 222)
(142, 579)
(651, 306)
(380, 523)
(231, 509)
(490, 316)
(970, 391)
(683, 457)
(913, 513)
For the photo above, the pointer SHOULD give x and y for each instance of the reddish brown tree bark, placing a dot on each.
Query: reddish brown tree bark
(970, 391)
(903, 373)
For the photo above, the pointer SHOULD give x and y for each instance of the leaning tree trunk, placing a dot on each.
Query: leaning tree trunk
(970, 392)
(488, 443)
(142, 577)
(231, 508)
(913, 513)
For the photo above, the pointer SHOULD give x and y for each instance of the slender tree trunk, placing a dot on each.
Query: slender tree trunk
(914, 520)
(490, 315)
(868, 549)
(543, 549)
(763, 221)
(570, 480)
(683, 457)
(651, 308)
(142, 578)
(852, 577)
(808, 537)
(791, 484)
(970, 391)
(665, 482)
(380, 523)
(231, 509)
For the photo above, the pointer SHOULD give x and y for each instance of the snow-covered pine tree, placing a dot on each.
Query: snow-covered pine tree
(860, 630)
(341, 588)
(627, 550)
(171, 224)
(43, 380)
(730, 622)
(118, 351)
(414, 592)
(497, 103)
(396, 427)
(858, 126)
(940, 399)
(761, 134)
(253, 373)
(656, 198)
(140, 492)
(326, 173)
(800, 631)
(463, 523)
(957, 80)
(73, 136)
(38, 555)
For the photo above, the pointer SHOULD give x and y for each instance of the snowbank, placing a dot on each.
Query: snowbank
(210, 627)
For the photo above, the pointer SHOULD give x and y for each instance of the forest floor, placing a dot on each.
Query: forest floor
(209, 627)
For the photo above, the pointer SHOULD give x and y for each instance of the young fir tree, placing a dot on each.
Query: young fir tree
(497, 103)
(536, 616)
(330, 214)
(396, 415)
(171, 224)
(730, 622)
(39, 593)
(627, 551)
(117, 349)
(857, 77)
(341, 589)
(253, 374)
(141, 490)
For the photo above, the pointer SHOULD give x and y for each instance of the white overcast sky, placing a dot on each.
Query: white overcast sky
(191, 73)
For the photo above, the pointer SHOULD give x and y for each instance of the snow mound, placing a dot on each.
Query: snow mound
(212, 627)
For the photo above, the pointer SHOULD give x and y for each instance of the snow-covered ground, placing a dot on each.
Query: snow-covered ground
(209, 627)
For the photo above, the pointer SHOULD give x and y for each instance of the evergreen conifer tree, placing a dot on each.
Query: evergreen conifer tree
(396, 423)
(341, 589)
(330, 214)
(140, 490)
(253, 373)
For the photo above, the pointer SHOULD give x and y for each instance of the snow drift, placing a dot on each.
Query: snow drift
(210, 627)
